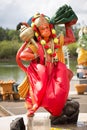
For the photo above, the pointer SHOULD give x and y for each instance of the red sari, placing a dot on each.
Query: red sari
(50, 84)
(50, 81)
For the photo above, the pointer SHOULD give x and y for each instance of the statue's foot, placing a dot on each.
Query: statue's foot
(35, 106)
(32, 110)
(30, 113)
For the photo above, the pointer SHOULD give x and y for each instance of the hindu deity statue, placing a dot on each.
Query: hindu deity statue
(47, 76)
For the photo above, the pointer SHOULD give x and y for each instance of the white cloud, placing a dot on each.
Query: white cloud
(14, 11)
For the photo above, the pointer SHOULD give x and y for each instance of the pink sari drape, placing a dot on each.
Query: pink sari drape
(50, 91)
(50, 84)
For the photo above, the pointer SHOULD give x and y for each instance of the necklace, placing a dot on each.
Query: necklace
(48, 49)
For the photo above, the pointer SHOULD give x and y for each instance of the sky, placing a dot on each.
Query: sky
(14, 11)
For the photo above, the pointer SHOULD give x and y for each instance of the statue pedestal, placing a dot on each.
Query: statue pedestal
(40, 121)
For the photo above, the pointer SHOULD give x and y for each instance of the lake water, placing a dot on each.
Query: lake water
(11, 71)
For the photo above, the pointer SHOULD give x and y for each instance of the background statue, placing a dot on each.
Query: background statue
(82, 47)
(82, 53)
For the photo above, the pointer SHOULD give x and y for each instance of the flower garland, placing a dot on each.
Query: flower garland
(50, 51)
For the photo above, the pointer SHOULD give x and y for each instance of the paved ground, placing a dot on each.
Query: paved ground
(17, 108)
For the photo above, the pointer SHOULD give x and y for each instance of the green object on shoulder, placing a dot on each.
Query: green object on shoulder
(64, 14)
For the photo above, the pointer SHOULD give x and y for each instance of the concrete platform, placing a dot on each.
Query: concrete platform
(17, 109)
(81, 124)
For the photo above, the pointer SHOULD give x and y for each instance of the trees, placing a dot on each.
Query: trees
(3, 35)
(8, 49)
(10, 42)
(7, 34)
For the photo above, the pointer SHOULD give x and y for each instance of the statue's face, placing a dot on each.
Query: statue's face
(45, 30)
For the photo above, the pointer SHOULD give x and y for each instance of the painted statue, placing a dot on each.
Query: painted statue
(47, 77)
(82, 47)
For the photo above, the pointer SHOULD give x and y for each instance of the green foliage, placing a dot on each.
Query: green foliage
(82, 42)
(72, 49)
(10, 42)
(12, 34)
(2, 34)
(76, 31)
(8, 49)
(59, 29)
(7, 34)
